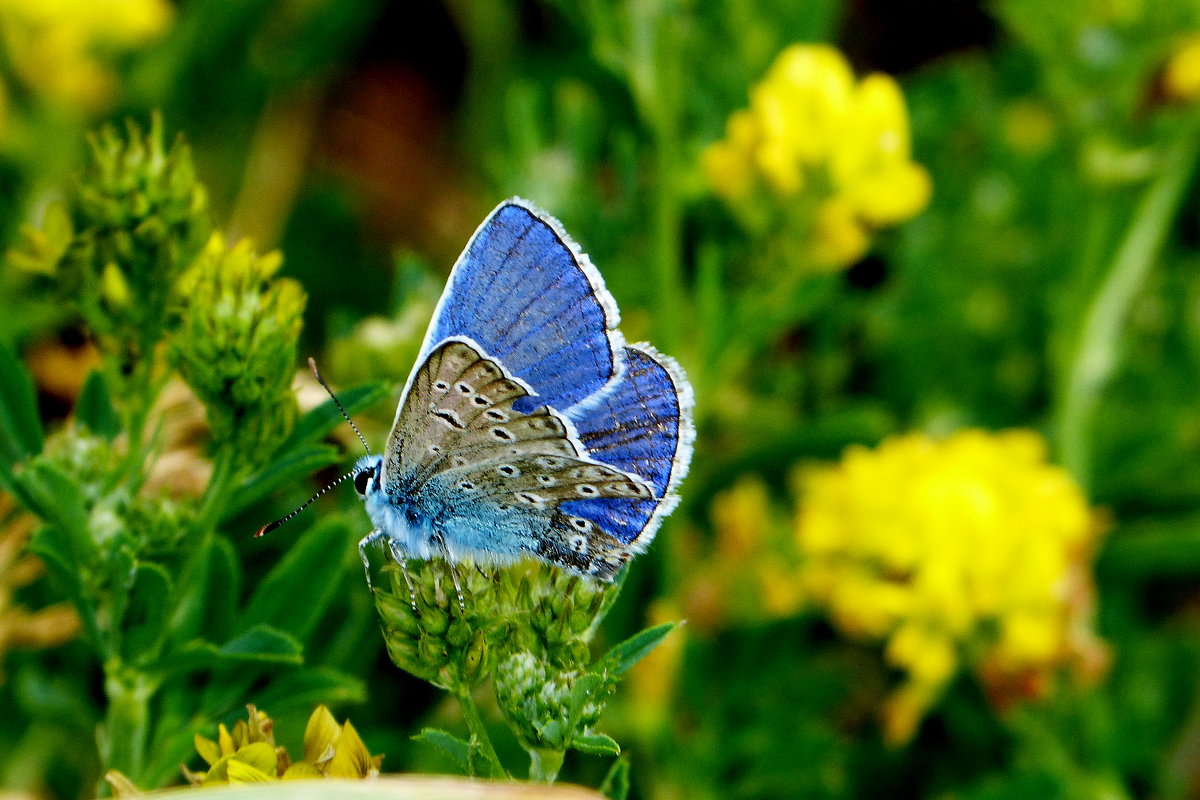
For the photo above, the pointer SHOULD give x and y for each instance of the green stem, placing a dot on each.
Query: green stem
(217, 494)
(545, 764)
(1094, 356)
(127, 723)
(479, 733)
(655, 74)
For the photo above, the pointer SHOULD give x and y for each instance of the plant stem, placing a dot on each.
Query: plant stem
(545, 764)
(216, 495)
(654, 73)
(479, 732)
(127, 722)
(1094, 356)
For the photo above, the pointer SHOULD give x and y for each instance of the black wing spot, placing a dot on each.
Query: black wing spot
(499, 416)
(580, 523)
(586, 490)
(464, 389)
(531, 499)
(546, 480)
(480, 400)
(450, 418)
(467, 486)
(502, 434)
(508, 470)
(503, 507)
(441, 386)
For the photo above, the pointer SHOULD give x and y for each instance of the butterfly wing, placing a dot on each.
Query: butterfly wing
(644, 427)
(462, 452)
(525, 293)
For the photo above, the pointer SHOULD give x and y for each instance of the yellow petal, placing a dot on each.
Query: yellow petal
(839, 238)
(225, 740)
(219, 772)
(259, 755)
(241, 734)
(891, 195)
(1181, 76)
(209, 750)
(241, 772)
(320, 736)
(302, 771)
(351, 759)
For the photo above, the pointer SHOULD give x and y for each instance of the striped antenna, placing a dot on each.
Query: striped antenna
(270, 526)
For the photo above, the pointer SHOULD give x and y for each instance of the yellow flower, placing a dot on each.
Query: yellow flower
(814, 138)
(248, 753)
(61, 48)
(971, 551)
(1181, 75)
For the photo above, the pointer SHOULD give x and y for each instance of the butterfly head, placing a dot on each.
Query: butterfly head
(366, 474)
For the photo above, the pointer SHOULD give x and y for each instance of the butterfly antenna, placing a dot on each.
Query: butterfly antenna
(317, 374)
(270, 526)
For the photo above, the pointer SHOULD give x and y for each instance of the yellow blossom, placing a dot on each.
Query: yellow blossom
(816, 139)
(1181, 75)
(61, 48)
(248, 753)
(970, 551)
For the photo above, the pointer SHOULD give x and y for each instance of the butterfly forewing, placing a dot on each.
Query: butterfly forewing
(459, 415)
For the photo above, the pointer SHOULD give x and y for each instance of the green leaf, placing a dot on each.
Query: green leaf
(588, 686)
(458, 749)
(621, 658)
(209, 602)
(295, 594)
(305, 688)
(145, 618)
(319, 422)
(20, 426)
(616, 783)
(94, 408)
(49, 544)
(300, 463)
(609, 598)
(596, 744)
(59, 500)
(263, 644)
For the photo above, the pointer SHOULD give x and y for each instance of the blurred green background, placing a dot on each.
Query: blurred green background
(1038, 270)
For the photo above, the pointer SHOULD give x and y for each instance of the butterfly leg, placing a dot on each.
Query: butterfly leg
(368, 540)
(440, 542)
(401, 558)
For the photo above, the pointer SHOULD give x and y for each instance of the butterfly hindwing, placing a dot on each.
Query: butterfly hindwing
(642, 426)
(532, 300)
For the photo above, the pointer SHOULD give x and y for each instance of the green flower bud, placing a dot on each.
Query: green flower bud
(536, 702)
(236, 344)
(139, 217)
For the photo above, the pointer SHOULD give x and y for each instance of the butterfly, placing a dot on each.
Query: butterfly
(527, 425)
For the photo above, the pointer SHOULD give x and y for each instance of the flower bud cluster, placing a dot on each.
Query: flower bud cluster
(236, 344)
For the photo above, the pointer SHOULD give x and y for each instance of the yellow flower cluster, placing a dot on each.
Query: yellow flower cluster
(816, 139)
(970, 550)
(248, 754)
(61, 48)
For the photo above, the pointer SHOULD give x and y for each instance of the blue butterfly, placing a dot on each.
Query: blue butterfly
(528, 426)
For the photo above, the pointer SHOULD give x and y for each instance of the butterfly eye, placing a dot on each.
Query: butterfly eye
(362, 480)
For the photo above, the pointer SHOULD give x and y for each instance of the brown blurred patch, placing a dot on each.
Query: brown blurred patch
(387, 133)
